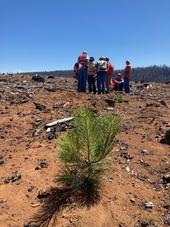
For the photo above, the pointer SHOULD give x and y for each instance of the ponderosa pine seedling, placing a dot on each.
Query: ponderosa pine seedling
(85, 150)
(84, 153)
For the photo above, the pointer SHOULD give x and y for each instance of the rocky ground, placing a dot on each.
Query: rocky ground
(135, 190)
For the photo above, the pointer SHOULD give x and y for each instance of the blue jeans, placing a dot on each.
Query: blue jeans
(101, 81)
(126, 85)
(82, 78)
(91, 82)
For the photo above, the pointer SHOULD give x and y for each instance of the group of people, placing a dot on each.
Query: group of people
(102, 71)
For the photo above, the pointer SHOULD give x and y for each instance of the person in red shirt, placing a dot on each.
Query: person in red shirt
(127, 76)
(82, 71)
(117, 84)
(110, 72)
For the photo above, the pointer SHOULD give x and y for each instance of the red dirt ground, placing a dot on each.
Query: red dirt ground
(138, 162)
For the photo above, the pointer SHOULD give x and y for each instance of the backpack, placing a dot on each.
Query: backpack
(110, 69)
(82, 59)
(102, 65)
(91, 68)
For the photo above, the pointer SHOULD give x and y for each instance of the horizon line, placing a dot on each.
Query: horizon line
(54, 70)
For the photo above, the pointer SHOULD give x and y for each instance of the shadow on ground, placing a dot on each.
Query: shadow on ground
(60, 198)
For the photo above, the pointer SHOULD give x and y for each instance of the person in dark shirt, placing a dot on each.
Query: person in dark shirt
(76, 70)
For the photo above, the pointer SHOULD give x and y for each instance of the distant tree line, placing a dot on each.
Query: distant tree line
(150, 74)
(147, 74)
(58, 73)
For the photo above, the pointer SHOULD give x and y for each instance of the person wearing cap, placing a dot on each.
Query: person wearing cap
(102, 67)
(127, 76)
(82, 71)
(91, 69)
(110, 72)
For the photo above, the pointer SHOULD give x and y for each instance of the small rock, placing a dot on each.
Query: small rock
(38, 120)
(110, 102)
(48, 129)
(166, 138)
(126, 155)
(127, 169)
(51, 89)
(36, 205)
(166, 206)
(15, 177)
(162, 102)
(149, 205)
(30, 189)
(110, 108)
(165, 179)
(132, 200)
(66, 104)
(144, 163)
(41, 165)
(1, 162)
(167, 219)
(43, 194)
(122, 225)
(145, 152)
(147, 223)
(40, 106)
(59, 104)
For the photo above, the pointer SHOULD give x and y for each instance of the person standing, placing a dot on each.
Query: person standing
(110, 72)
(82, 71)
(102, 67)
(76, 70)
(91, 68)
(127, 76)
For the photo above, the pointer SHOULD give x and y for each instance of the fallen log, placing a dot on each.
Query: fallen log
(59, 121)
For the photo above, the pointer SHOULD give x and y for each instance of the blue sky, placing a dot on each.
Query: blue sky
(50, 34)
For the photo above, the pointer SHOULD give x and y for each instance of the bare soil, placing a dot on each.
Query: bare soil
(135, 189)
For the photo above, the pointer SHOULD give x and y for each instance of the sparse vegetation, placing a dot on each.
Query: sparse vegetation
(84, 155)
(85, 149)
(120, 98)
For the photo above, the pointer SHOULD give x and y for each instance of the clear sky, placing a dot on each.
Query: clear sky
(50, 34)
